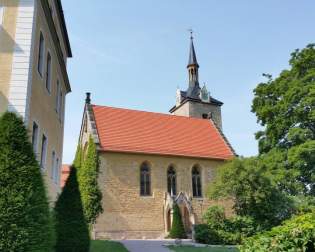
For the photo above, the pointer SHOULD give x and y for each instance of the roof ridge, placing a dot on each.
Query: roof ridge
(150, 112)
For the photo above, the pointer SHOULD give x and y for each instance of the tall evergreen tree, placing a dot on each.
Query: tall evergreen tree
(88, 181)
(71, 227)
(177, 229)
(25, 220)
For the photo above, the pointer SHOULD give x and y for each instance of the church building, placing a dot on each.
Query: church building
(151, 161)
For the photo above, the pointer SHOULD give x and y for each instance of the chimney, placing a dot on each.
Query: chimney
(88, 98)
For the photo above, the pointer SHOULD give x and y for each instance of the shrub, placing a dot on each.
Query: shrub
(215, 217)
(295, 234)
(177, 230)
(221, 230)
(207, 235)
(71, 227)
(25, 220)
(90, 192)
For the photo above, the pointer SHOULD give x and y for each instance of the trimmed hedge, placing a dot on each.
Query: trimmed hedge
(296, 234)
(177, 230)
(25, 220)
(71, 227)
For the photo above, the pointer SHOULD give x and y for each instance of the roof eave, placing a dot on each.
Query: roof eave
(64, 28)
(166, 154)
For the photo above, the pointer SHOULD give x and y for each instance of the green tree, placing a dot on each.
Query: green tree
(71, 227)
(285, 106)
(25, 220)
(254, 190)
(88, 183)
(177, 229)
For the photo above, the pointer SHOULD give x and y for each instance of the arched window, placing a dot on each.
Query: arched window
(171, 181)
(196, 182)
(145, 180)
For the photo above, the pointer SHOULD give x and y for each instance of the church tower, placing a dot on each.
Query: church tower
(196, 101)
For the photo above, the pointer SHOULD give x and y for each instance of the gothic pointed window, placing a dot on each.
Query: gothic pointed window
(145, 180)
(171, 181)
(196, 181)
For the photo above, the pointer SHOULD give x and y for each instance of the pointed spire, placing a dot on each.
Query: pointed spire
(192, 54)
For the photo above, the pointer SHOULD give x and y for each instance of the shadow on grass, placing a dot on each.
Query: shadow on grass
(202, 249)
(107, 246)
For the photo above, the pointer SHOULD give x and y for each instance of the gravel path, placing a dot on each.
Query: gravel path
(148, 245)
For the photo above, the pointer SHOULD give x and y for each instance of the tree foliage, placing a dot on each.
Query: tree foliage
(285, 106)
(268, 187)
(88, 184)
(78, 159)
(296, 234)
(25, 220)
(254, 189)
(71, 227)
(177, 229)
(218, 229)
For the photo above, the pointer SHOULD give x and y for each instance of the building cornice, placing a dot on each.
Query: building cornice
(194, 100)
(64, 28)
(53, 33)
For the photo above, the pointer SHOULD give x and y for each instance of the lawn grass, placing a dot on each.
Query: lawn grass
(107, 246)
(202, 249)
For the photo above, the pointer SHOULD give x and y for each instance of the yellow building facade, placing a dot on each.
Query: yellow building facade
(34, 48)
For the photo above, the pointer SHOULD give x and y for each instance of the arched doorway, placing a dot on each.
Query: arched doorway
(186, 218)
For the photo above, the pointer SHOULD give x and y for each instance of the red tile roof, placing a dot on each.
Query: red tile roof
(125, 130)
(65, 172)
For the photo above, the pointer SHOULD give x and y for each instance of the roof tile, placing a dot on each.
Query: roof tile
(125, 130)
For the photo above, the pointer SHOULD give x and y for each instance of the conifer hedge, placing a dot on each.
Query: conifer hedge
(177, 230)
(25, 220)
(71, 227)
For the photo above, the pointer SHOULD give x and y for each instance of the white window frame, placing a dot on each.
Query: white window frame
(1, 14)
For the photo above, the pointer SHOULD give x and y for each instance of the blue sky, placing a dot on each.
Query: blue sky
(133, 54)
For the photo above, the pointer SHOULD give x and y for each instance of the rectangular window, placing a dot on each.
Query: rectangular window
(35, 137)
(43, 152)
(1, 14)
(41, 54)
(57, 97)
(60, 104)
(48, 73)
(56, 178)
(53, 164)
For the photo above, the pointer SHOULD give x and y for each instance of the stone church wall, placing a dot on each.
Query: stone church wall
(129, 215)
